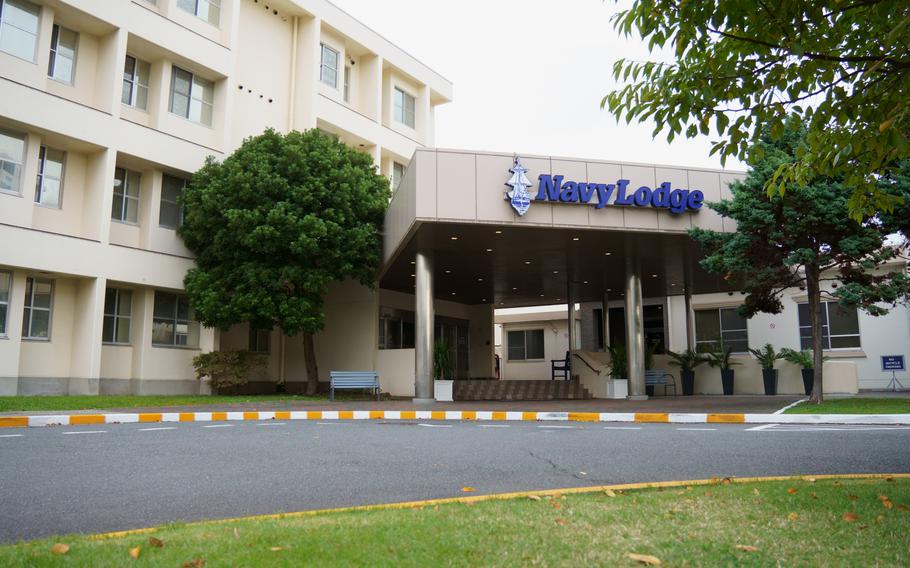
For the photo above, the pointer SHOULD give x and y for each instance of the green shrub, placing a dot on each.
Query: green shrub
(228, 369)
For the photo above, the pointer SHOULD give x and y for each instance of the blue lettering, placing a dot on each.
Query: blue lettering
(661, 195)
(569, 192)
(604, 192)
(621, 198)
(548, 188)
(696, 198)
(586, 191)
(642, 196)
(678, 200)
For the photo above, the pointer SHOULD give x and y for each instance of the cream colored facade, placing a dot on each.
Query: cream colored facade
(255, 65)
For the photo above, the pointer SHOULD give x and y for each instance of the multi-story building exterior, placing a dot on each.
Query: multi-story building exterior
(107, 108)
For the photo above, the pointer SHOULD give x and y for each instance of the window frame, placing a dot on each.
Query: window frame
(29, 308)
(400, 112)
(33, 9)
(196, 11)
(256, 336)
(524, 345)
(826, 328)
(720, 327)
(117, 317)
(323, 47)
(190, 321)
(175, 203)
(400, 176)
(55, 53)
(4, 304)
(196, 83)
(125, 197)
(135, 82)
(42, 175)
(23, 138)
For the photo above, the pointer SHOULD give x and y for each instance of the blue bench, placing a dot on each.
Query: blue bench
(656, 377)
(353, 380)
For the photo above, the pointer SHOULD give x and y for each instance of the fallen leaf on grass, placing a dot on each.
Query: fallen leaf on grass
(134, 553)
(756, 491)
(879, 519)
(813, 495)
(887, 504)
(556, 504)
(561, 521)
(534, 497)
(746, 547)
(727, 480)
(900, 507)
(792, 516)
(852, 497)
(889, 478)
(60, 548)
(236, 533)
(197, 563)
(792, 491)
(882, 497)
(609, 493)
(688, 488)
(467, 489)
(644, 559)
(156, 542)
(276, 548)
(850, 517)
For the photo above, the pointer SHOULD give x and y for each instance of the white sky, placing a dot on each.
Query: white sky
(528, 75)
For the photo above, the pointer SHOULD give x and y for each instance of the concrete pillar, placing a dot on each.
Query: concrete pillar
(85, 360)
(573, 341)
(690, 321)
(423, 332)
(635, 333)
(605, 316)
(307, 77)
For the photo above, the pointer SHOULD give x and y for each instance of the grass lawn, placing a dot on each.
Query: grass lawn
(857, 522)
(26, 403)
(858, 405)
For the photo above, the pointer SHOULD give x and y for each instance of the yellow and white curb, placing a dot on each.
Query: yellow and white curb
(458, 415)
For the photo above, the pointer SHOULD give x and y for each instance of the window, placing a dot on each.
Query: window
(722, 324)
(396, 329)
(192, 97)
(62, 65)
(36, 320)
(170, 215)
(50, 177)
(208, 10)
(135, 83)
(12, 149)
(397, 174)
(404, 108)
(125, 206)
(172, 321)
(328, 66)
(259, 339)
(525, 345)
(118, 306)
(5, 283)
(19, 28)
(840, 327)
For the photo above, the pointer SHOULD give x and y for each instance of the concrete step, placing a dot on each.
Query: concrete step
(491, 389)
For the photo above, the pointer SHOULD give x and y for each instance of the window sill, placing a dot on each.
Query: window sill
(180, 347)
(844, 353)
(528, 360)
(111, 344)
(138, 109)
(10, 192)
(128, 223)
(46, 206)
(37, 339)
(181, 117)
(61, 82)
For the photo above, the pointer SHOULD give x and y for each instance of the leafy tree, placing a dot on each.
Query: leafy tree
(804, 238)
(841, 66)
(274, 224)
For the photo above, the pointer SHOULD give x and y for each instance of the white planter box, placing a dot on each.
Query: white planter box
(443, 390)
(617, 388)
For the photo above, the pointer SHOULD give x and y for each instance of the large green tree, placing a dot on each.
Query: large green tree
(841, 66)
(806, 238)
(274, 224)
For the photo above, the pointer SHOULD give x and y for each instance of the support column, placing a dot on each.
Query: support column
(571, 314)
(605, 317)
(423, 333)
(635, 333)
(690, 322)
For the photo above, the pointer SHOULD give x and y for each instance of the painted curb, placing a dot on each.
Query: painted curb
(515, 495)
(479, 415)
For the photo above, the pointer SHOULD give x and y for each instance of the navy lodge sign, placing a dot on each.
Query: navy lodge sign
(555, 188)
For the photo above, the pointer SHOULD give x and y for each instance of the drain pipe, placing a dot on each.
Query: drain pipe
(293, 89)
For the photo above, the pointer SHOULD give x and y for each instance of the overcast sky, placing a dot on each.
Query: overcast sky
(529, 76)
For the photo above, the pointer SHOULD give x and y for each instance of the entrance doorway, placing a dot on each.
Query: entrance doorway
(654, 327)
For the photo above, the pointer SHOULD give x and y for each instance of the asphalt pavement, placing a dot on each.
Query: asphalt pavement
(120, 476)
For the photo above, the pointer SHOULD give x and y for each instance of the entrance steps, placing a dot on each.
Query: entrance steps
(491, 389)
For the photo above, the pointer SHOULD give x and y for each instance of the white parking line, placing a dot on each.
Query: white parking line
(622, 427)
(561, 427)
(11, 435)
(493, 425)
(271, 423)
(436, 425)
(697, 429)
(86, 432)
(156, 429)
(760, 428)
(219, 426)
(334, 423)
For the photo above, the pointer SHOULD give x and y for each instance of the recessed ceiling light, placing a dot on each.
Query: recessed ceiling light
(412, 262)
(653, 276)
(514, 288)
(502, 303)
(454, 238)
(480, 279)
(453, 293)
(576, 238)
(585, 282)
(541, 295)
(558, 299)
(413, 275)
(499, 232)
(489, 250)
(607, 253)
(483, 299)
(609, 289)
(527, 262)
(672, 284)
(448, 271)
(555, 272)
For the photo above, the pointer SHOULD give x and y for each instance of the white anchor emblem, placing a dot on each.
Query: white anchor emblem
(518, 196)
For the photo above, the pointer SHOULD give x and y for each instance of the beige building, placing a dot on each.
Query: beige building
(107, 108)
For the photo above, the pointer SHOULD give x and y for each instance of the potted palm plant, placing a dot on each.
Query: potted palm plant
(442, 371)
(804, 360)
(720, 357)
(766, 357)
(619, 368)
(687, 361)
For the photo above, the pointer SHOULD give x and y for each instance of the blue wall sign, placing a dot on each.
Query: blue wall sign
(893, 363)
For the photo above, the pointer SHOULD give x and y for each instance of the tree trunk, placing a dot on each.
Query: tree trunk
(312, 371)
(815, 318)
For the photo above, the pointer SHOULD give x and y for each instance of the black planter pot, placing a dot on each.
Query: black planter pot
(808, 379)
(726, 379)
(649, 390)
(688, 382)
(769, 377)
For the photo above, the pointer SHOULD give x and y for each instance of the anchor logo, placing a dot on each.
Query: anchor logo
(518, 196)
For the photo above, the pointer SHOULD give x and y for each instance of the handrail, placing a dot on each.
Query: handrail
(586, 363)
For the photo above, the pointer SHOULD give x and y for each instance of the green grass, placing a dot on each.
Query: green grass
(696, 526)
(27, 403)
(858, 405)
